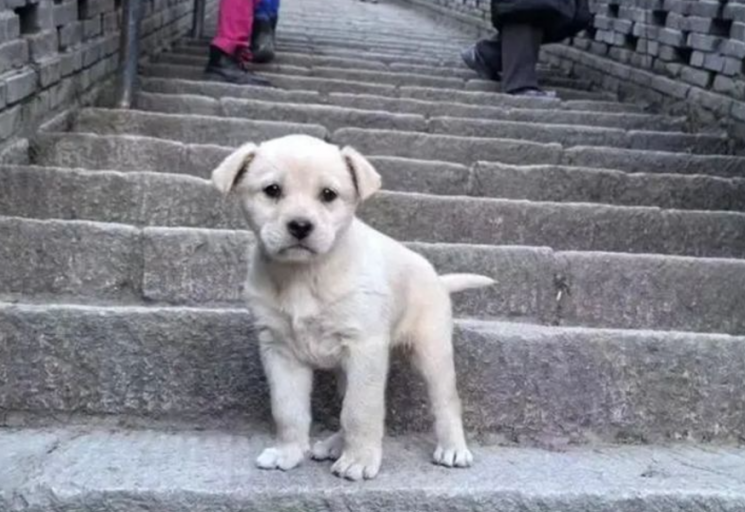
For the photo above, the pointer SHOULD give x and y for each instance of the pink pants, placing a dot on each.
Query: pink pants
(234, 25)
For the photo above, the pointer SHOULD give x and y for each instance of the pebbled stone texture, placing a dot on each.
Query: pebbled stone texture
(595, 384)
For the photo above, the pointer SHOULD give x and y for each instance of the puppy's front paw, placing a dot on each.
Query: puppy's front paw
(450, 457)
(281, 457)
(330, 448)
(358, 464)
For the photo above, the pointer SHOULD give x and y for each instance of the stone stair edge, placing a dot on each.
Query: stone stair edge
(190, 348)
(114, 121)
(201, 266)
(89, 469)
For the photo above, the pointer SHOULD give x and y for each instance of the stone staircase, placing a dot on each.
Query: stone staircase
(604, 372)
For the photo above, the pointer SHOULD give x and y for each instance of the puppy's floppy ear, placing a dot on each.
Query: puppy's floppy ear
(366, 179)
(231, 170)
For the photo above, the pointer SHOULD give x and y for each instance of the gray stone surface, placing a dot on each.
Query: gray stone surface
(197, 266)
(189, 129)
(582, 184)
(205, 470)
(49, 257)
(191, 363)
(445, 147)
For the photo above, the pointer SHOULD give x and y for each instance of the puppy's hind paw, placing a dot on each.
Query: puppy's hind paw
(281, 457)
(453, 457)
(330, 448)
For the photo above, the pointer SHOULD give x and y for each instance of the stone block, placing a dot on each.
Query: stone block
(10, 122)
(696, 77)
(13, 54)
(93, 27)
(65, 13)
(21, 85)
(43, 45)
(50, 71)
(10, 27)
(70, 35)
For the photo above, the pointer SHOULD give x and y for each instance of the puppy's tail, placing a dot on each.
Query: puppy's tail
(459, 282)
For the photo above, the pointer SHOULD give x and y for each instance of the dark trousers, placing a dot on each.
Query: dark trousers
(513, 56)
(521, 45)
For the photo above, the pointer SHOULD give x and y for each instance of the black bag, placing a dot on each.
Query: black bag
(559, 19)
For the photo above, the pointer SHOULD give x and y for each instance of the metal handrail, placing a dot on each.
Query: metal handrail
(130, 47)
(129, 52)
(197, 30)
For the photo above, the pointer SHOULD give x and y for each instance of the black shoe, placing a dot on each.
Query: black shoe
(263, 41)
(226, 68)
(476, 61)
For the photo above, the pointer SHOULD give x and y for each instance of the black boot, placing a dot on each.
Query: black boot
(485, 58)
(262, 40)
(227, 68)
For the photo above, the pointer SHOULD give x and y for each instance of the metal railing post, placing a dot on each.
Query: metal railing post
(197, 29)
(129, 52)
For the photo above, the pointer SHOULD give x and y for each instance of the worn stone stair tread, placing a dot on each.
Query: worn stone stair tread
(596, 384)
(163, 199)
(338, 83)
(286, 110)
(548, 183)
(233, 131)
(378, 54)
(584, 184)
(86, 468)
(219, 90)
(471, 149)
(178, 265)
(140, 153)
(195, 129)
(349, 70)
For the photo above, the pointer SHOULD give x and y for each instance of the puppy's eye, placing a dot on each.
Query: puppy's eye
(273, 191)
(328, 195)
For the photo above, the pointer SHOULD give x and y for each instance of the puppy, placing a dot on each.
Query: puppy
(330, 292)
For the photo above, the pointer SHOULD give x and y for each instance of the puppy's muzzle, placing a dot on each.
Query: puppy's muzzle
(300, 228)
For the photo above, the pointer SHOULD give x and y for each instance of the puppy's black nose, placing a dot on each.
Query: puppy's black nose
(300, 228)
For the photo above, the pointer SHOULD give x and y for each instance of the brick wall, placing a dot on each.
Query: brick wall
(684, 55)
(54, 53)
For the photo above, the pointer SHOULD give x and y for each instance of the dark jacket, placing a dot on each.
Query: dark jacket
(559, 19)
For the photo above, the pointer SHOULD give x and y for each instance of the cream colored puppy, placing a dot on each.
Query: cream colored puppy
(330, 292)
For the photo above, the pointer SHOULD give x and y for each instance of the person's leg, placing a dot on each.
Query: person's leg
(521, 45)
(234, 25)
(230, 47)
(266, 15)
(485, 58)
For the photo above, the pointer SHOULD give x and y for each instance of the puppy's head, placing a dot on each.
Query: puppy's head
(299, 193)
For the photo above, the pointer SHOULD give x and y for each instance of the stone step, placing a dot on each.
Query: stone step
(202, 365)
(409, 74)
(552, 183)
(233, 131)
(375, 102)
(360, 48)
(395, 82)
(125, 264)
(331, 111)
(472, 149)
(193, 129)
(188, 53)
(134, 153)
(109, 468)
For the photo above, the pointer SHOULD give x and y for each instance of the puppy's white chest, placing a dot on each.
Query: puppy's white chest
(314, 332)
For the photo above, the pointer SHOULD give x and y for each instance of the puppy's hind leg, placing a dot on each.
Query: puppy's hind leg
(433, 356)
(290, 386)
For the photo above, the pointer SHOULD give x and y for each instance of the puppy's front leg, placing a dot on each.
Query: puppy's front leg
(363, 410)
(290, 386)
